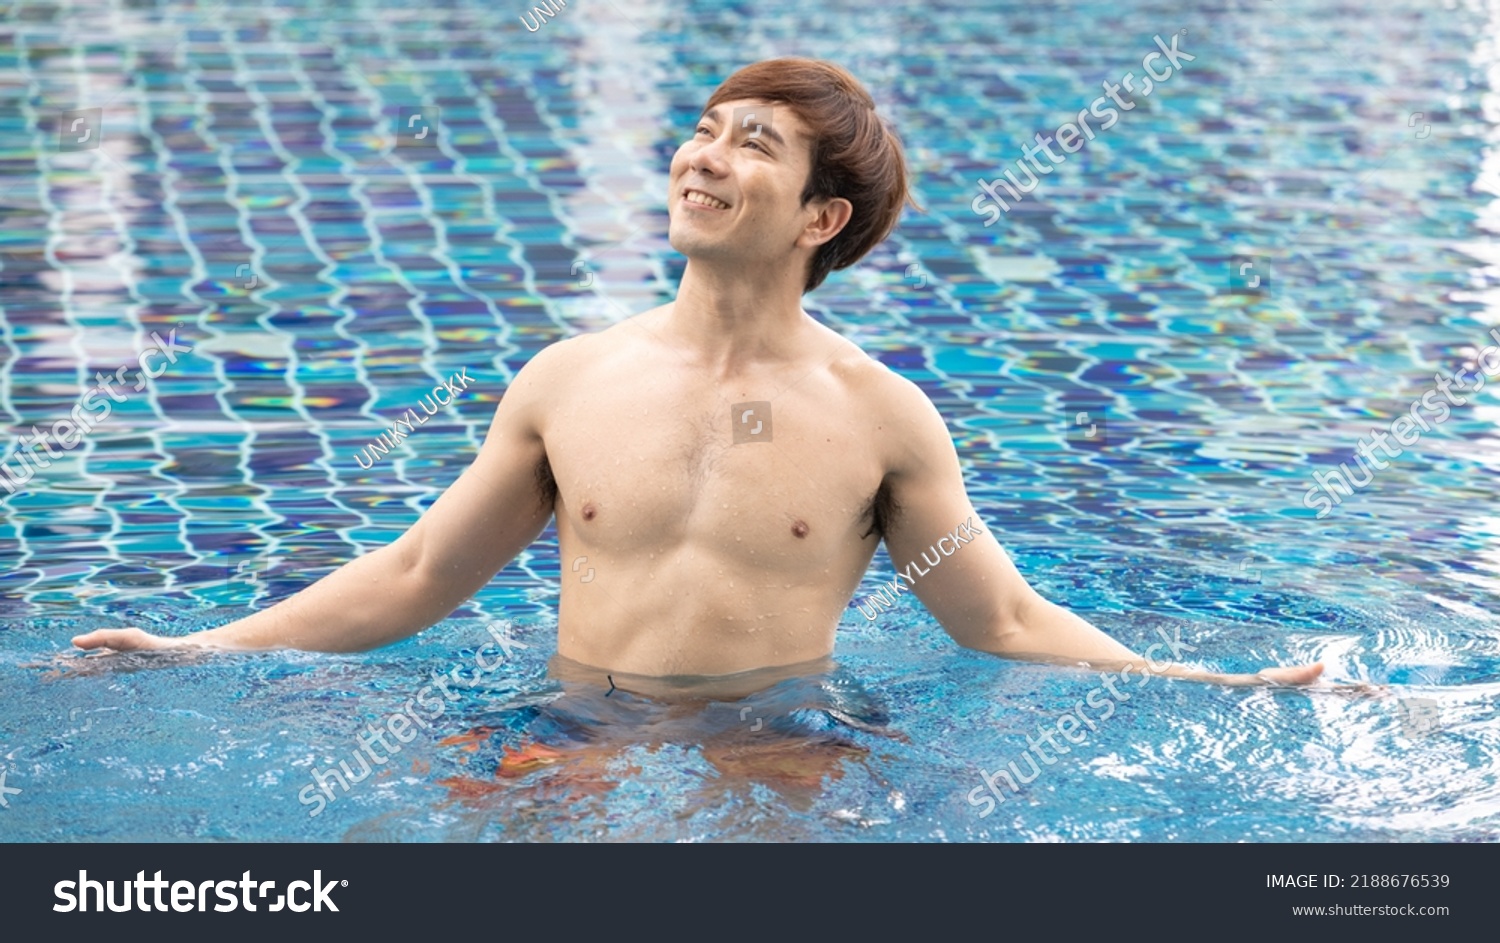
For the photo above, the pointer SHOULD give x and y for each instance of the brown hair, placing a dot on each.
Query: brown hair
(855, 154)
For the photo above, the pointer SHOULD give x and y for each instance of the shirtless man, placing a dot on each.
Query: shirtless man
(727, 464)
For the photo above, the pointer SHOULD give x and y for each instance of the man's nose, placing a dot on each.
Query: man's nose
(711, 157)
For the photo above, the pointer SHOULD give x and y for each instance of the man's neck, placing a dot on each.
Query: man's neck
(731, 318)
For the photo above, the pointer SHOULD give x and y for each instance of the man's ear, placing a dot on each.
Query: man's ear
(829, 218)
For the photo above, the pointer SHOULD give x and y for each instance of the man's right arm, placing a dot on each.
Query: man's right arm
(478, 525)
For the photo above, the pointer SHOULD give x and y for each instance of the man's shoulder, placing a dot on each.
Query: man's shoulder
(563, 359)
(573, 353)
(899, 413)
(874, 383)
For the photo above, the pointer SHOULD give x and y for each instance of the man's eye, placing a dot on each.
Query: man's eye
(702, 129)
(755, 144)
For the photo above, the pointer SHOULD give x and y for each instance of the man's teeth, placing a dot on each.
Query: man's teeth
(695, 197)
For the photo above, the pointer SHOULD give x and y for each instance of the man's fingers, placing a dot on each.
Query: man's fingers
(120, 640)
(99, 638)
(1293, 674)
(94, 639)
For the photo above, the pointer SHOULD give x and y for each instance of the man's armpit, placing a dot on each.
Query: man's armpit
(546, 485)
(880, 511)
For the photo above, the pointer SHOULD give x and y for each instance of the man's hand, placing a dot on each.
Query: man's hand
(130, 640)
(1290, 675)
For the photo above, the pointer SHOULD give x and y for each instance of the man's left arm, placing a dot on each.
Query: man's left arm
(973, 588)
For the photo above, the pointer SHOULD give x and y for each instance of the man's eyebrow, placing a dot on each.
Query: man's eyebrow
(766, 129)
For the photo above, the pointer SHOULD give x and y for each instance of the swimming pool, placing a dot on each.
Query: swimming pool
(1269, 256)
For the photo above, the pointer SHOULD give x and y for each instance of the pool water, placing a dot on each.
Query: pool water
(1271, 255)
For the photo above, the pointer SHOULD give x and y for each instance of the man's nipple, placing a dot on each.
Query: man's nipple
(589, 511)
(800, 528)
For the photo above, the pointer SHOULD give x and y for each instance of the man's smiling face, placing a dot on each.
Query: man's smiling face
(736, 194)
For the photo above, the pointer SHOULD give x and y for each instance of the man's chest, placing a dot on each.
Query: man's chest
(784, 474)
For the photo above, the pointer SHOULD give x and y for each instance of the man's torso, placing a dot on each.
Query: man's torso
(685, 552)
